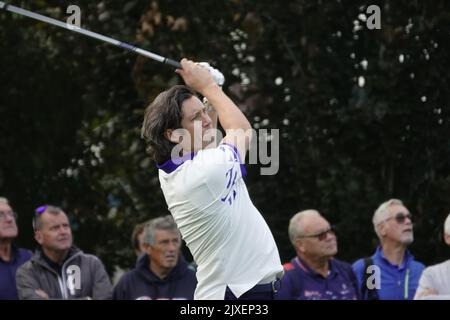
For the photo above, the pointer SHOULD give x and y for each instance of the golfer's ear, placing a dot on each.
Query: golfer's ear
(173, 136)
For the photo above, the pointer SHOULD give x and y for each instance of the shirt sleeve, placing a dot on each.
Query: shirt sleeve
(27, 284)
(425, 282)
(102, 288)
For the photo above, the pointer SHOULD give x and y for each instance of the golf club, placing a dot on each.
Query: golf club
(91, 34)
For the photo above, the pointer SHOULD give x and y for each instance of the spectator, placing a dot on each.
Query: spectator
(59, 270)
(162, 273)
(391, 273)
(11, 257)
(314, 274)
(434, 284)
(137, 239)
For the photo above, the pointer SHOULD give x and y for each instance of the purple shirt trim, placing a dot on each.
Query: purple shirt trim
(170, 166)
(237, 157)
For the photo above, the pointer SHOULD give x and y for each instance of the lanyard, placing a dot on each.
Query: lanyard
(406, 291)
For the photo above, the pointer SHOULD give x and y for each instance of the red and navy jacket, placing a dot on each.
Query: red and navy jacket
(300, 282)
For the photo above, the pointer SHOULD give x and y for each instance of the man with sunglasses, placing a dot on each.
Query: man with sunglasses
(391, 273)
(59, 270)
(314, 274)
(434, 284)
(11, 257)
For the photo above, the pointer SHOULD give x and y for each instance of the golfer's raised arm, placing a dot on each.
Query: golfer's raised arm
(237, 128)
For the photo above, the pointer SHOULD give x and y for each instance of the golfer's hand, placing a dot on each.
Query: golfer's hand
(196, 76)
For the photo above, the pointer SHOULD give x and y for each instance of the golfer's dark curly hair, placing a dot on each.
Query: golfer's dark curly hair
(162, 114)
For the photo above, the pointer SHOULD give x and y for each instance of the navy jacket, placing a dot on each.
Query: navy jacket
(8, 269)
(142, 284)
(300, 282)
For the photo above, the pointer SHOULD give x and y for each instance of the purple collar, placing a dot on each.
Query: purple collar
(307, 269)
(171, 165)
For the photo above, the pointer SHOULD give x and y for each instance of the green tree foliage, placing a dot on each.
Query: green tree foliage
(363, 114)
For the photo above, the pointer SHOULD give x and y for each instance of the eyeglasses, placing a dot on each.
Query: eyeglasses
(9, 213)
(401, 217)
(322, 235)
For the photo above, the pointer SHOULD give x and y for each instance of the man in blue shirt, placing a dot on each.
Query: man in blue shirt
(391, 273)
(11, 257)
(314, 274)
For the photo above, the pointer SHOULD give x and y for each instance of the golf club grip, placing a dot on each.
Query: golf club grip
(173, 63)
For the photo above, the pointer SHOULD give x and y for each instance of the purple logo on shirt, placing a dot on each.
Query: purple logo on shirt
(231, 182)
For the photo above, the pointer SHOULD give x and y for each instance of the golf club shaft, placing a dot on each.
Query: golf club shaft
(90, 34)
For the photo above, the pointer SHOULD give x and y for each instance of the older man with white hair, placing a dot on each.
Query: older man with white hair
(434, 284)
(391, 273)
(11, 256)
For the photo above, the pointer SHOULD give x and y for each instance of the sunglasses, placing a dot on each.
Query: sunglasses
(321, 235)
(401, 217)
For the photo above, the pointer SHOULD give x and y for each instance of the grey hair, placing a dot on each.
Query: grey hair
(160, 223)
(37, 220)
(447, 225)
(295, 224)
(382, 213)
(4, 200)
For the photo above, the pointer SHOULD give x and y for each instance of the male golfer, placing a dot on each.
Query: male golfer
(232, 245)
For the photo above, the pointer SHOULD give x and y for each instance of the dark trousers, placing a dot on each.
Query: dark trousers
(259, 292)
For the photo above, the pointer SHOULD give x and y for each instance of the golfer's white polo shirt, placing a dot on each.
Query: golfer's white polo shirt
(227, 236)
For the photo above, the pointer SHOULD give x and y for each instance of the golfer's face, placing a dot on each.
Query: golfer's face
(196, 121)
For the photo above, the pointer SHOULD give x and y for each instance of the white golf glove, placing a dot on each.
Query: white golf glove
(218, 78)
(217, 75)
